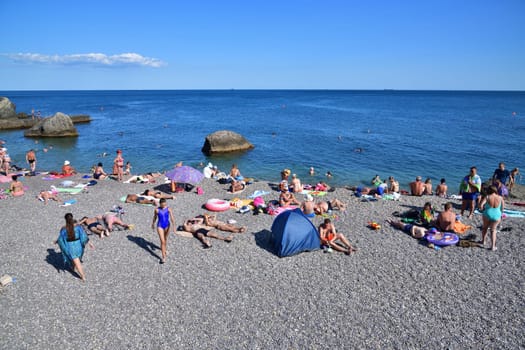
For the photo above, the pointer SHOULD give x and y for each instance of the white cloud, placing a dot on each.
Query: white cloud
(98, 59)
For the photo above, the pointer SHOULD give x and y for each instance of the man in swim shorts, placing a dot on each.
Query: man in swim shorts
(133, 198)
(200, 231)
(329, 236)
(94, 225)
(413, 230)
(211, 220)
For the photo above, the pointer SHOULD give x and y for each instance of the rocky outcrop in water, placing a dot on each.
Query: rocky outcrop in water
(59, 125)
(224, 141)
(7, 108)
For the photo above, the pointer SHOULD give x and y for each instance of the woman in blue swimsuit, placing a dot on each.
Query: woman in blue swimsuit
(164, 217)
(492, 205)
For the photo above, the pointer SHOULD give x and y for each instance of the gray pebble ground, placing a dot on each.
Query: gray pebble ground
(393, 293)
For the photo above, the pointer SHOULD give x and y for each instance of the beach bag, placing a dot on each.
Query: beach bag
(258, 201)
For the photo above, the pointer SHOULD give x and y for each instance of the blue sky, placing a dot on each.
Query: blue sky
(457, 45)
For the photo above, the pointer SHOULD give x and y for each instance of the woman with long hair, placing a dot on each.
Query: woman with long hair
(72, 241)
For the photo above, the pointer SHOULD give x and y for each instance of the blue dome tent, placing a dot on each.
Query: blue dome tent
(293, 233)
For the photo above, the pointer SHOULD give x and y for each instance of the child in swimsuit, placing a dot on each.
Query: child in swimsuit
(164, 217)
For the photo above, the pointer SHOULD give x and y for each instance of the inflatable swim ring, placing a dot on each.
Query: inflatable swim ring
(217, 205)
(442, 238)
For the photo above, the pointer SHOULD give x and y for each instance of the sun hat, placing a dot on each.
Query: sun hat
(209, 165)
(309, 198)
(66, 162)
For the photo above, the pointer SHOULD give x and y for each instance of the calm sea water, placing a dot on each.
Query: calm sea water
(401, 133)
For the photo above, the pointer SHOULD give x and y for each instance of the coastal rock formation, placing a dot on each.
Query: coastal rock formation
(59, 125)
(7, 108)
(224, 141)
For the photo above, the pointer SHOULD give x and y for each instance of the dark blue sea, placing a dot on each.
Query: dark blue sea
(353, 134)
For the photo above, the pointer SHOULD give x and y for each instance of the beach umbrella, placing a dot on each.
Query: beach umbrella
(185, 174)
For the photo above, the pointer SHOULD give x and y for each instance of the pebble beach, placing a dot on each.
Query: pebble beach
(394, 292)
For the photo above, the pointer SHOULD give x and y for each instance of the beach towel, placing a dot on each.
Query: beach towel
(314, 193)
(74, 190)
(5, 179)
(258, 193)
(279, 210)
(460, 228)
(238, 203)
(507, 213)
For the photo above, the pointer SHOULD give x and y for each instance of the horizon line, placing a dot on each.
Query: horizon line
(273, 89)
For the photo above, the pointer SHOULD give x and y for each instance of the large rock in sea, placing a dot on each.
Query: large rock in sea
(7, 108)
(224, 141)
(59, 125)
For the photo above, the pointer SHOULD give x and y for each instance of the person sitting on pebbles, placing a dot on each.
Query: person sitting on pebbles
(16, 187)
(329, 237)
(286, 198)
(308, 206)
(327, 206)
(67, 169)
(211, 220)
(200, 231)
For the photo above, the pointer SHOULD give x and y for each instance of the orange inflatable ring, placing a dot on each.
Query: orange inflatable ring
(217, 205)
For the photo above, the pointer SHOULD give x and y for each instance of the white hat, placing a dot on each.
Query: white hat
(209, 165)
(66, 162)
(4, 149)
(308, 198)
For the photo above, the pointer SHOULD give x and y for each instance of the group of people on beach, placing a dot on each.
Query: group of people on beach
(488, 198)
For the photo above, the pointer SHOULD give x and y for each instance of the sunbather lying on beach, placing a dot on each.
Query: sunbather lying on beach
(135, 198)
(413, 230)
(329, 236)
(157, 194)
(93, 224)
(112, 219)
(48, 195)
(325, 207)
(237, 186)
(144, 178)
(211, 220)
(200, 231)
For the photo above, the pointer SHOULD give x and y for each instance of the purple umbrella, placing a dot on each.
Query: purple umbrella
(185, 174)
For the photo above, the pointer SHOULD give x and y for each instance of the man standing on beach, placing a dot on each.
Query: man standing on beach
(501, 174)
(31, 160)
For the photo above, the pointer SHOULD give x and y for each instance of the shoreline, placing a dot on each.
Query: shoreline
(385, 295)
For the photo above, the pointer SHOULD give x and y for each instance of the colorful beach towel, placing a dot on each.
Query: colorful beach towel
(73, 190)
(258, 193)
(314, 193)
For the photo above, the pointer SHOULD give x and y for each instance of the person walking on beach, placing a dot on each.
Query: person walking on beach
(492, 205)
(72, 240)
(31, 160)
(469, 189)
(118, 165)
(164, 218)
